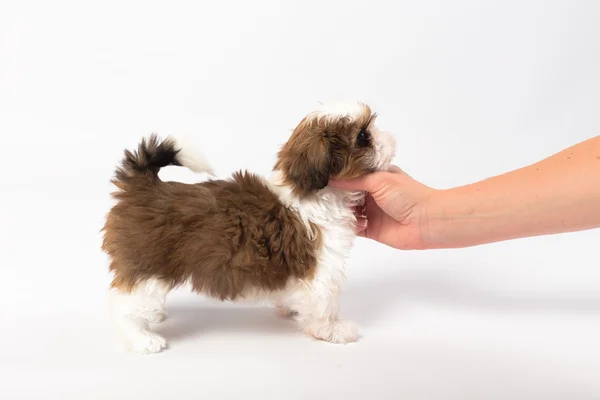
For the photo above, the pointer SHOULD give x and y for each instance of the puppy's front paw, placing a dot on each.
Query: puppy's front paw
(147, 343)
(338, 331)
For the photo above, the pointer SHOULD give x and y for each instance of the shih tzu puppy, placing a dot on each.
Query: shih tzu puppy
(283, 240)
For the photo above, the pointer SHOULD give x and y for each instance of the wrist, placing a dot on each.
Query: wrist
(452, 220)
(477, 214)
(434, 218)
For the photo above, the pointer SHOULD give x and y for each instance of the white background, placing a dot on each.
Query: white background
(469, 88)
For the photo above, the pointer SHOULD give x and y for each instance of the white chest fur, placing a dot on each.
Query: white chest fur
(331, 211)
(316, 302)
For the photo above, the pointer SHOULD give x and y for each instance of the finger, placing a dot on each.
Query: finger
(350, 184)
(398, 171)
(359, 210)
(368, 183)
(371, 209)
(361, 224)
(395, 169)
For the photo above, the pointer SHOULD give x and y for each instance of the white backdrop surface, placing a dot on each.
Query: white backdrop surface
(468, 88)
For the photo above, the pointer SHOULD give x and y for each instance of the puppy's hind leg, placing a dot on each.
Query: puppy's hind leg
(132, 310)
(154, 294)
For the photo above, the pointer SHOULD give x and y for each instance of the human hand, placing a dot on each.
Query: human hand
(395, 208)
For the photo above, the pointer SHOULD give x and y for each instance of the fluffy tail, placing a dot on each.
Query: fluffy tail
(153, 154)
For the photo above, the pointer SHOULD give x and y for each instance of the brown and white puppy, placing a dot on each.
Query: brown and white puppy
(284, 240)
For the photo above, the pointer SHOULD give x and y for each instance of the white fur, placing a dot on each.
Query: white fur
(385, 148)
(314, 303)
(132, 312)
(190, 157)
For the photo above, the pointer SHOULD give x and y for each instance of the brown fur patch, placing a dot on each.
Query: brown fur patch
(320, 149)
(224, 236)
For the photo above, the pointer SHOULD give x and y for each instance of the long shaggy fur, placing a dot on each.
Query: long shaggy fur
(222, 236)
(283, 240)
(151, 155)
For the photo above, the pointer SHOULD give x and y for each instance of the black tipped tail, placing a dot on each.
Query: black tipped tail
(151, 155)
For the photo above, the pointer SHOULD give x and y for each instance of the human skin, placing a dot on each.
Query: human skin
(558, 194)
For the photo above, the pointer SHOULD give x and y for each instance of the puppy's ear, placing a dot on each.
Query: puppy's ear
(305, 160)
(309, 169)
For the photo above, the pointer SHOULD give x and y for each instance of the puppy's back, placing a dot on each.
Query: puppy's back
(225, 237)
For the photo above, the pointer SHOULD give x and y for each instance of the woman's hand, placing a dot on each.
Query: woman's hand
(395, 208)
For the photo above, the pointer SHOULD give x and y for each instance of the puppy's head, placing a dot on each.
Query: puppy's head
(339, 141)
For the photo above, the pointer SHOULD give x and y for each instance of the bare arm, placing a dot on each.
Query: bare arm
(558, 194)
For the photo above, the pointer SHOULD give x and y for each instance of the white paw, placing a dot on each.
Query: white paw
(338, 331)
(147, 343)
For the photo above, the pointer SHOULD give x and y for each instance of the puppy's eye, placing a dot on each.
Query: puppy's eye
(362, 139)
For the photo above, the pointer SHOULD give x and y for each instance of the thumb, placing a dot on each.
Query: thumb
(368, 183)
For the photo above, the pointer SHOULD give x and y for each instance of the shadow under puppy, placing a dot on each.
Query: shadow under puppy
(283, 239)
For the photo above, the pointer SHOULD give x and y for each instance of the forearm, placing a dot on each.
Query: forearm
(558, 194)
